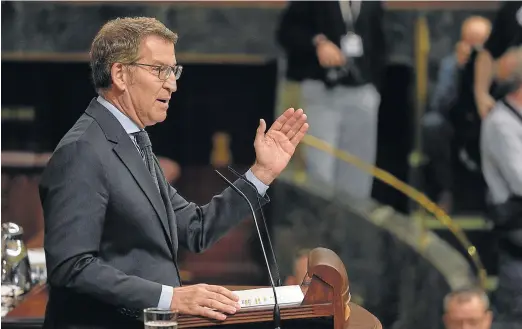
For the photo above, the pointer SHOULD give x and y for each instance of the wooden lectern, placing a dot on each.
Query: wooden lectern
(326, 303)
(326, 292)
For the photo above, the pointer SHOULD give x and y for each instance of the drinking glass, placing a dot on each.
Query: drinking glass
(155, 318)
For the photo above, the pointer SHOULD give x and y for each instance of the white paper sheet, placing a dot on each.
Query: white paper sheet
(286, 295)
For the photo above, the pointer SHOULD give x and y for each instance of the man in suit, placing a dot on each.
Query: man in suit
(336, 49)
(113, 224)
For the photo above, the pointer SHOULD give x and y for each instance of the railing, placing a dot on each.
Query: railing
(408, 190)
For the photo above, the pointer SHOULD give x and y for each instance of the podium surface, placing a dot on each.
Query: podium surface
(326, 304)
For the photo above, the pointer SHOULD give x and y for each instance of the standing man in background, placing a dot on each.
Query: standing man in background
(336, 49)
(501, 145)
(506, 33)
(113, 224)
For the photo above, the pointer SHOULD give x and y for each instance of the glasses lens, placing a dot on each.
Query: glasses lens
(164, 72)
(177, 71)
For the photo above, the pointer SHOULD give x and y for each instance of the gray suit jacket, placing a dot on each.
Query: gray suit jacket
(110, 239)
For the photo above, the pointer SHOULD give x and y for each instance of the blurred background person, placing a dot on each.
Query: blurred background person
(507, 32)
(452, 96)
(501, 144)
(337, 50)
(467, 308)
(300, 267)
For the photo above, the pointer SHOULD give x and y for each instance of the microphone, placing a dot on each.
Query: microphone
(277, 311)
(276, 269)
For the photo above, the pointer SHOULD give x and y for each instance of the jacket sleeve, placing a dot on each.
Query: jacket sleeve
(201, 226)
(74, 195)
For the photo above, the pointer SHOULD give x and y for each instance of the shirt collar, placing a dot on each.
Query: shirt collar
(129, 125)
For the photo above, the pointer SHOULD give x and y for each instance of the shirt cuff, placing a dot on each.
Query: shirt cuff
(165, 297)
(260, 186)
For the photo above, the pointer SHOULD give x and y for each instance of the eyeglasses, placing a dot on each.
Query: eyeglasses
(164, 71)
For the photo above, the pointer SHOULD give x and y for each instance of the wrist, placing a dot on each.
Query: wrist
(264, 175)
(173, 305)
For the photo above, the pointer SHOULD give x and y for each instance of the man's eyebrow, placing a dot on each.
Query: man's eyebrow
(157, 62)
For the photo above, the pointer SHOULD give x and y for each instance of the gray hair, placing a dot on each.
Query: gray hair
(516, 74)
(465, 294)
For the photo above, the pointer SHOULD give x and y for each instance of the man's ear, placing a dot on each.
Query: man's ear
(118, 76)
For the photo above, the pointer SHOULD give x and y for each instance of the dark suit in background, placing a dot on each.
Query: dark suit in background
(111, 239)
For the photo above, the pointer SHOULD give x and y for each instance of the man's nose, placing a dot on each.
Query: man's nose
(171, 84)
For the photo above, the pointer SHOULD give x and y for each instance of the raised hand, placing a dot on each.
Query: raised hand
(275, 147)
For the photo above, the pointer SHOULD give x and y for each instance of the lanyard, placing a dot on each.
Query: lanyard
(350, 10)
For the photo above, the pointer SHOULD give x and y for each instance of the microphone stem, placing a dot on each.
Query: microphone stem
(277, 315)
(276, 267)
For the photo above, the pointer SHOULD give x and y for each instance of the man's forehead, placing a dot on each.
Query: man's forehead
(158, 51)
(472, 303)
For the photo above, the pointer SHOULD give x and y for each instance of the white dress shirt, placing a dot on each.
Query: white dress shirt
(501, 148)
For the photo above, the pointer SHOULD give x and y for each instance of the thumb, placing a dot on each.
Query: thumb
(260, 133)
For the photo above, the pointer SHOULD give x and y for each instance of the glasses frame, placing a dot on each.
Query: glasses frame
(177, 69)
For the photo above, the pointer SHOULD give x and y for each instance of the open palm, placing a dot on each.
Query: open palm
(275, 147)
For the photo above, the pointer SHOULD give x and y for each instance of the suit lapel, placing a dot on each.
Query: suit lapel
(129, 155)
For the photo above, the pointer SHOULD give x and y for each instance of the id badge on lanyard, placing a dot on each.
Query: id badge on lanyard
(351, 42)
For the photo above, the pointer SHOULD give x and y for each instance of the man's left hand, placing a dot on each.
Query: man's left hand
(275, 147)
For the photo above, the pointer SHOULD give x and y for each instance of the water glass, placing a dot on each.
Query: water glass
(155, 318)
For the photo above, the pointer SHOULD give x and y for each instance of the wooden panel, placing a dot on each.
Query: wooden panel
(440, 5)
(198, 58)
(208, 4)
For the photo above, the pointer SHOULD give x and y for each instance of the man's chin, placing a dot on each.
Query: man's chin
(161, 117)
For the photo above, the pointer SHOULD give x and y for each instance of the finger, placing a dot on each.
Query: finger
(213, 303)
(208, 313)
(291, 121)
(278, 124)
(300, 134)
(231, 304)
(261, 128)
(217, 306)
(223, 291)
(297, 126)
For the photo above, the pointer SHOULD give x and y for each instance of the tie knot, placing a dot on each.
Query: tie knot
(142, 138)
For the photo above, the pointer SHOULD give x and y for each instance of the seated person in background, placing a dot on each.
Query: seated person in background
(438, 123)
(501, 145)
(300, 268)
(467, 308)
